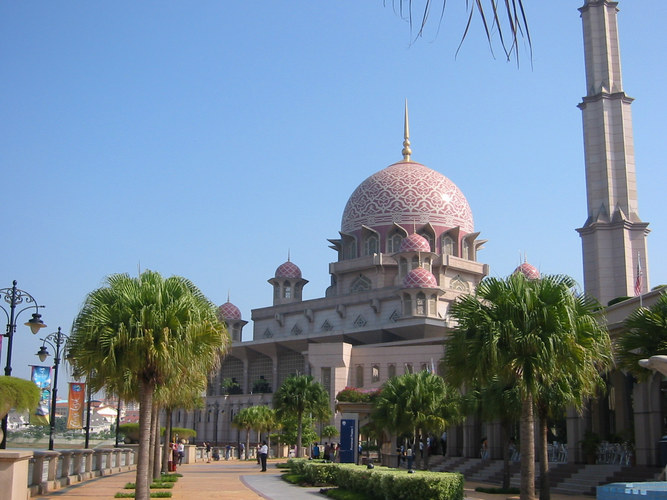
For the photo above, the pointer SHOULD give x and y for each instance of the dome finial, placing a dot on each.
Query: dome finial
(406, 136)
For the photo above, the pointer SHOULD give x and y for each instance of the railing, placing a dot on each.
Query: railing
(51, 470)
(614, 453)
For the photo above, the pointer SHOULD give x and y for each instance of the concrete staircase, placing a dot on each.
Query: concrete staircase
(570, 479)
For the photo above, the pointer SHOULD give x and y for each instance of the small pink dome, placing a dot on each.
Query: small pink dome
(288, 270)
(420, 278)
(229, 311)
(415, 243)
(528, 270)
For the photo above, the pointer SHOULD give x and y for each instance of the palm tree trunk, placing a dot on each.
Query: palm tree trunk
(506, 453)
(544, 460)
(167, 439)
(156, 441)
(142, 491)
(299, 424)
(247, 443)
(527, 449)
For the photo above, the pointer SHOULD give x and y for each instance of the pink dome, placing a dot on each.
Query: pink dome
(407, 193)
(420, 278)
(288, 270)
(528, 270)
(229, 311)
(415, 243)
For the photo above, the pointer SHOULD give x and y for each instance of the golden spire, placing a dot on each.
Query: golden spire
(406, 136)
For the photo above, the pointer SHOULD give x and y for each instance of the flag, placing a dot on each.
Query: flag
(76, 402)
(638, 279)
(41, 376)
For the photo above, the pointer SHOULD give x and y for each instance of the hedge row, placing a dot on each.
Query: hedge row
(381, 482)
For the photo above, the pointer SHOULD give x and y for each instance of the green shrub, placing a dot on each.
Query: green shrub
(320, 473)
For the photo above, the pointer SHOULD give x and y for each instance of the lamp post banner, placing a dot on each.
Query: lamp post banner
(41, 376)
(76, 400)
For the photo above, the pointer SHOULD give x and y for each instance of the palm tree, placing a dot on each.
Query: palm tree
(646, 336)
(507, 18)
(300, 394)
(140, 331)
(417, 404)
(530, 333)
(246, 419)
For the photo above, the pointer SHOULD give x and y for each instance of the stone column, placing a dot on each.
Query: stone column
(648, 420)
(14, 474)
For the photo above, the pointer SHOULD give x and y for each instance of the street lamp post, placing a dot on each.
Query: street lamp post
(15, 297)
(55, 340)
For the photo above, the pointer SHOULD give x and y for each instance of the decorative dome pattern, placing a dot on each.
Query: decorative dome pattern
(229, 311)
(528, 270)
(415, 243)
(288, 270)
(407, 193)
(420, 278)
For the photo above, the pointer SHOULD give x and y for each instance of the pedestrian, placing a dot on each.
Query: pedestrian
(327, 451)
(263, 452)
(208, 451)
(181, 451)
(316, 451)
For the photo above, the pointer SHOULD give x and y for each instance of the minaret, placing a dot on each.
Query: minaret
(613, 236)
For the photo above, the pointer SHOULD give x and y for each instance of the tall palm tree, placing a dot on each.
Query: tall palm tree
(530, 333)
(140, 331)
(245, 420)
(417, 404)
(646, 336)
(300, 394)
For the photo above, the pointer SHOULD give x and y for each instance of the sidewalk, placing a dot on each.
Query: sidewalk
(227, 480)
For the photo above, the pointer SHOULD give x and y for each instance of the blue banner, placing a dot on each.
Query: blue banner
(41, 376)
(348, 440)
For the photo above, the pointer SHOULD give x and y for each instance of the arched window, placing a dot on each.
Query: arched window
(415, 263)
(371, 245)
(408, 368)
(433, 305)
(350, 251)
(426, 264)
(447, 245)
(421, 304)
(360, 376)
(403, 268)
(375, 374)
(391, 371)
(276, 290)
(429, 238)
(394, 243)
(466, 250)
(407, 305)
(287, 290)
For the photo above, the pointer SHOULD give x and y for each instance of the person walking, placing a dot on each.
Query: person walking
(263, 453)
(208, 451)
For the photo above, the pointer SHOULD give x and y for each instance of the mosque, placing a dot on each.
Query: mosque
(407, 248)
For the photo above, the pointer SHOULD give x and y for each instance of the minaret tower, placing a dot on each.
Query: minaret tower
(613, 237)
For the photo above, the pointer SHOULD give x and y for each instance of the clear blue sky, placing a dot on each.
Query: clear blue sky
(206, 139)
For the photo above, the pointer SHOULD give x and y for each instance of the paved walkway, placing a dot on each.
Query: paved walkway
(226, 480)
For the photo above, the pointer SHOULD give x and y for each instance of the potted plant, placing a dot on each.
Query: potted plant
(17, 393)
(589, 446)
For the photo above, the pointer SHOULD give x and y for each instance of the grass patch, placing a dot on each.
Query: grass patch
(494, 491)
(341, 494)
(293, 478)
(154, 494)
(156, 485)
(170, 478)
